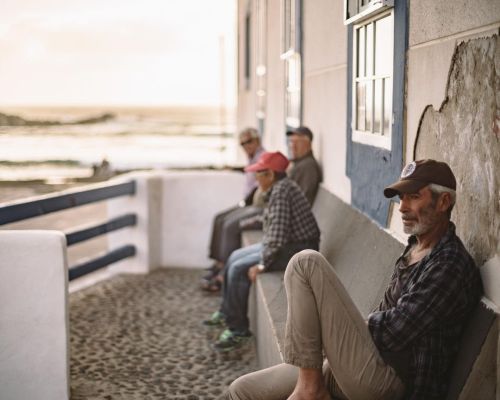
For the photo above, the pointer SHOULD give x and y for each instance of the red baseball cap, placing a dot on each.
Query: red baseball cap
(418, 174)
(268, 160)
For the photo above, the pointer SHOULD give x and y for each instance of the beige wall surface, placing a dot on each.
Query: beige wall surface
(431, 19)
(325, 38)
(325, 90)
(274, 134)
(465, 132)
(435, 31)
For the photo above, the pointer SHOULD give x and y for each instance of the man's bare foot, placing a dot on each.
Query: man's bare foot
(310, 386)
(322, 394)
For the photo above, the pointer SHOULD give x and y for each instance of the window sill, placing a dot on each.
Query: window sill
(371, 139)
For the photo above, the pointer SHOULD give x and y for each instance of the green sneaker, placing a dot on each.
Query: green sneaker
(216, 319)
(228, 340)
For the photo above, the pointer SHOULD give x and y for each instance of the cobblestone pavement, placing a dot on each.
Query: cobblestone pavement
(141, 337)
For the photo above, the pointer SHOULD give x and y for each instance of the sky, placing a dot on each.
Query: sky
(117, 52)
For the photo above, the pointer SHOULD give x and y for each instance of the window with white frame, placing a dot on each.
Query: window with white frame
(291, 10)
(373, 58)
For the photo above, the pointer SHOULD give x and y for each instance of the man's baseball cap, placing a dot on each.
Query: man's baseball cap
(301, 130)
(419, 174)
(268, 160)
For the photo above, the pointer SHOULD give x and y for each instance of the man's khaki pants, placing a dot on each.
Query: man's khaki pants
(322, 317)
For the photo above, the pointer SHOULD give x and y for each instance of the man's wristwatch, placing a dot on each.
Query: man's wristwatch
(261, 267)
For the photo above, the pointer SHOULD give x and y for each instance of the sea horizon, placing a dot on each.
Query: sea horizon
(50, 143)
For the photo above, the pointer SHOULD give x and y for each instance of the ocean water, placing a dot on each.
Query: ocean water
(133, 138)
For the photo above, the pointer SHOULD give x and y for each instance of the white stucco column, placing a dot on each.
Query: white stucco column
(34, 346)
(145, 236)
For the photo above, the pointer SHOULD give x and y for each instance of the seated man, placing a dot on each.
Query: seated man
(289, 227)
(304, 168)
(225, 230)
(226, 236)
(406, 348)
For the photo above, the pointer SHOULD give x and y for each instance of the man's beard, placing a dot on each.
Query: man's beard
(428, 219)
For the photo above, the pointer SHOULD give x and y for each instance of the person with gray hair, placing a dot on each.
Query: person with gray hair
(225, 228)
(250, 142)
(405, 349)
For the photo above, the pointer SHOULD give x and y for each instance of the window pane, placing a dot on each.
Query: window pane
(369, 106)
(287, 29)
(383, 46)
(360, 106)
(387, 106)
(293, 83)
(361, 52)
(247, 48)
(352, 8)
(369, 49)
(378, 100)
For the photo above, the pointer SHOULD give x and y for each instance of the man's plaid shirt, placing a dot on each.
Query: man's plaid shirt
(287, 219)
(428, 317)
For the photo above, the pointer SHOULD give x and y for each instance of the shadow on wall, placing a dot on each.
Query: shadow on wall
(465, 132)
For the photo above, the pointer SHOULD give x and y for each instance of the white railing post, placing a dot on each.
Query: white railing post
(145, 236)
(34, 345)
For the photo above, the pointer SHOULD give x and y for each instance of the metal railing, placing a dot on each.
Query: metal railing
(52, 203)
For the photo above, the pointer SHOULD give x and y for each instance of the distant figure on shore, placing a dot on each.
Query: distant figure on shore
(102, 171)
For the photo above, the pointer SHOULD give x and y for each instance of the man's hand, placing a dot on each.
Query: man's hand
(253, 272)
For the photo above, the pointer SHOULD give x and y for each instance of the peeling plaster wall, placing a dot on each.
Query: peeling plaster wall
(465, 132)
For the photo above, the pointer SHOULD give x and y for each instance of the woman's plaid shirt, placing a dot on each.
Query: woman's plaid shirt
(428, 318)
(287, 219)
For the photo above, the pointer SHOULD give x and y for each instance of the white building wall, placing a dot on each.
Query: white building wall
(274, 133)
(325, 89)
(34, 339)
(274, 128)
(190, 202)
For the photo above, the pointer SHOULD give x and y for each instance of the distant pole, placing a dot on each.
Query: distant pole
(222, 83)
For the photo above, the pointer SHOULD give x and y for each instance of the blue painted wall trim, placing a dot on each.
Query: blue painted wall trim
(372, 168)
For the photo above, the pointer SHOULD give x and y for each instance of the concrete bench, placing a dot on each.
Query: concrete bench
(363, 255)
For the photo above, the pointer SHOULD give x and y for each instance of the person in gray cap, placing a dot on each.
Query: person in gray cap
(304, 169)
(404, 350)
